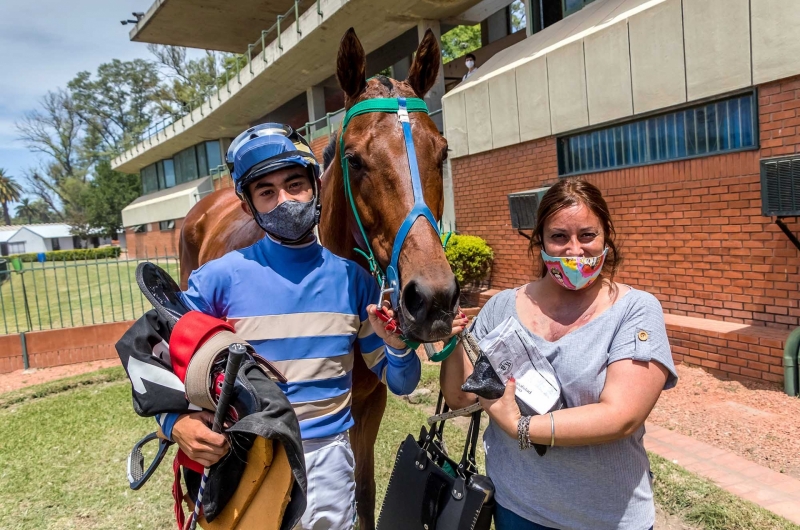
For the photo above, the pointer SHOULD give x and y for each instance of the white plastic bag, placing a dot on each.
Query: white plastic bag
(512, 353)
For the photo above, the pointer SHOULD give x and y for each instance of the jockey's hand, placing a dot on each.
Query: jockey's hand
(379, 326)
(192, 432)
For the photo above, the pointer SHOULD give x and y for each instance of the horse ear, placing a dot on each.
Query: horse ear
(422, 74)
(351, 65)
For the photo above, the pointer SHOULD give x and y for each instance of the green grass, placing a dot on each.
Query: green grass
(705, 505)
(63, 449)
(73, 293)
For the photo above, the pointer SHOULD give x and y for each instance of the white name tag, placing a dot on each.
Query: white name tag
(512, 353)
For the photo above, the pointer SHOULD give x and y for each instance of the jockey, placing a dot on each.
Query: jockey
(303, 309)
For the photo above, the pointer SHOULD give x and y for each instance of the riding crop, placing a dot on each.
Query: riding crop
(235, 355)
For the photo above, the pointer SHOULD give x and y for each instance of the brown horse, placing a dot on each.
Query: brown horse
(383, 194)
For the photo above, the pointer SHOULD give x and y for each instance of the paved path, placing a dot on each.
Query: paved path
(774, 491)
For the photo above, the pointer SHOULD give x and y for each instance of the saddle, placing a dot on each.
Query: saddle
(266, 458)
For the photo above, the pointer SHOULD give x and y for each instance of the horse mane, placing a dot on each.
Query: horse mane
(330, 150)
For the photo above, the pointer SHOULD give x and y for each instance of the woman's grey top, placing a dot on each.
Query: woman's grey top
(592, 487)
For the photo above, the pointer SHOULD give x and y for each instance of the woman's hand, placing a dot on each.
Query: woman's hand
(504, 411)
(459, 324)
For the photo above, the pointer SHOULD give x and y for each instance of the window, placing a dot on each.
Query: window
(149, 179)
(185, 165)
(214, 155)
(202, 161)
(716, 127)
(139, 229)
(571, 6)
(16, 248)
(169, 173)
(518, 15)
(166, 225)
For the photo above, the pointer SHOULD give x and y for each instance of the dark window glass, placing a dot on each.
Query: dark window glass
(169, 173)
(149, 179)
(214, 155)
(202, 161)
(707, 129)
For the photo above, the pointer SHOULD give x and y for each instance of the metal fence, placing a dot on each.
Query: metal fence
(55, 295)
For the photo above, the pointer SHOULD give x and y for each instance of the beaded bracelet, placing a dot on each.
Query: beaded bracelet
(522, 432)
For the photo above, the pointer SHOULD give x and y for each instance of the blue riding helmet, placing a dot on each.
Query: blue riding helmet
(265, 148)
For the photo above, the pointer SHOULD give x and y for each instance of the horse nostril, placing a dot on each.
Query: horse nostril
(416, 300)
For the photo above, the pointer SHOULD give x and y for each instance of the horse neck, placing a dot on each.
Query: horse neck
(334, 229)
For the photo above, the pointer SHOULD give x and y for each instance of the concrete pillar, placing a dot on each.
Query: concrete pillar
(315, 99)
(400, 68)
(434, 96)
(449, 210)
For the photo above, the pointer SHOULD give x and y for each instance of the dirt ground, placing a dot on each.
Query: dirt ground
(20, 378)
(754, 420)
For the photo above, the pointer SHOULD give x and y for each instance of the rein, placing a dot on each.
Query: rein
(389, 280)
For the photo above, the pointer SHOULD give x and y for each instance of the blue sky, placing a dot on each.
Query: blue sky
(43, 44)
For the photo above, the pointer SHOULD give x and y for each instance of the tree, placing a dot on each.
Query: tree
(460, 41)
(25, 210)
(10, 191)
(30, 212)
(116, 105)
(109, 192)
(188, 82)
(55, 131)
(518, 15)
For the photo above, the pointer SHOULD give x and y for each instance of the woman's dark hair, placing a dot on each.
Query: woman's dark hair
(469, 56)
(566, 193)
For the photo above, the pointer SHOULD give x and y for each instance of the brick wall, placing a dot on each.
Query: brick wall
(318, 147)
(155, 242)
(62, 346)
(691, 232)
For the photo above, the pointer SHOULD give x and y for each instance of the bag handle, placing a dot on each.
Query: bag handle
(436, 431)
(468, 464)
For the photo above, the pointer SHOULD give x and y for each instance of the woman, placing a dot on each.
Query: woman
(607, 343)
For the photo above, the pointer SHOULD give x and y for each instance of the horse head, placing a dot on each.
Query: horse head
(380, 179)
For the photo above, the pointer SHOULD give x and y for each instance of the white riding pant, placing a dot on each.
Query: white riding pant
(330, 468)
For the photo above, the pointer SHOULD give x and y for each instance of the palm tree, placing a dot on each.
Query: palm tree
(26, 209)
(9, 192)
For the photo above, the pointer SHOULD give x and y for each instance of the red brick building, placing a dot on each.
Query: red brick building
(690, 228)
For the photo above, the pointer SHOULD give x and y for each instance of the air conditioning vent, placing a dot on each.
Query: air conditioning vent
(780, 186)
(523, 206)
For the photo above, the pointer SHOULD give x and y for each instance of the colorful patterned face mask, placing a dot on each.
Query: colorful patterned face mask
(574, 273)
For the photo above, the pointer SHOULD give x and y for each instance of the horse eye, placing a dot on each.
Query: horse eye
(354, 162)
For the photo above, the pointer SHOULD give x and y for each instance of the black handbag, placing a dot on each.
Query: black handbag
(428, 490)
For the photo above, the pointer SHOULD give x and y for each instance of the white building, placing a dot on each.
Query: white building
(19, 239)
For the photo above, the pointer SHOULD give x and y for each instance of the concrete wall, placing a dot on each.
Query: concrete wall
(62, 346)
(619, 58)
(165, 207)
(691, 233)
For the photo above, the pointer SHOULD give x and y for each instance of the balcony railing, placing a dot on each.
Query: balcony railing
(241, 61)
